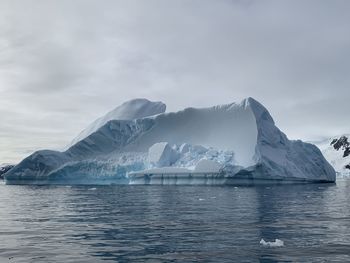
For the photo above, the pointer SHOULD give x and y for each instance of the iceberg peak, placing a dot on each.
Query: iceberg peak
(260, 112)
(129, 110)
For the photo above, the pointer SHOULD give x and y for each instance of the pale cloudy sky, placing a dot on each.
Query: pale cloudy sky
(63, 63)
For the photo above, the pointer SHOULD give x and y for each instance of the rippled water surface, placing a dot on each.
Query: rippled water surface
(175, 223)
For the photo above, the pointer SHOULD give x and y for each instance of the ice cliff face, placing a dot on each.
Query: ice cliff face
(337, 151)
(277, 157)
(237, 141)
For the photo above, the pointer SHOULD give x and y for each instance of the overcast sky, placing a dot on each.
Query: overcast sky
(63, 63)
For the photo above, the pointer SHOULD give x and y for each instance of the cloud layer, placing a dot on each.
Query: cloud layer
(64, 63)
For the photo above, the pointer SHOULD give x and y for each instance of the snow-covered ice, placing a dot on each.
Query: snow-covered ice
(335, 156)
(230, 143)
(207, 166)
(4, 168)
(130, 110)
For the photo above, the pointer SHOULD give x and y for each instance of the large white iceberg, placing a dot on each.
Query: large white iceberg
(236, 143)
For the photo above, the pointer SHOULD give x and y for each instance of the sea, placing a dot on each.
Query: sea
(149, 223)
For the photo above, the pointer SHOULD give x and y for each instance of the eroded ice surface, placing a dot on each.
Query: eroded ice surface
(234, 141)
(162, 154)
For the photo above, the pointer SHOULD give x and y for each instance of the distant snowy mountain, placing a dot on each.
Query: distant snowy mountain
(231, 144)
(4, 168)
(130, 110)
(337, 151)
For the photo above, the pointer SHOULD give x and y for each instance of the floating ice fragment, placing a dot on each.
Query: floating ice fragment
(276, 243)
(92, 189)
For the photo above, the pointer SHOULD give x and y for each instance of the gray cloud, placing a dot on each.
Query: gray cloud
(64, 63)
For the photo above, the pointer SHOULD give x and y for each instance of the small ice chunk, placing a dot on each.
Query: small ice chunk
(276, 243)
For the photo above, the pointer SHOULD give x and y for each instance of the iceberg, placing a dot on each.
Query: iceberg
(236, 143)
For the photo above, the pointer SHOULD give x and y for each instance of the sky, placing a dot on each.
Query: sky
(64, 63)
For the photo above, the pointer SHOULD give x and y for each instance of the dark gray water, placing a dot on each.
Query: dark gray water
(175, 223)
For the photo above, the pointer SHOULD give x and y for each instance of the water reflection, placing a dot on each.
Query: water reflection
(175, 223)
